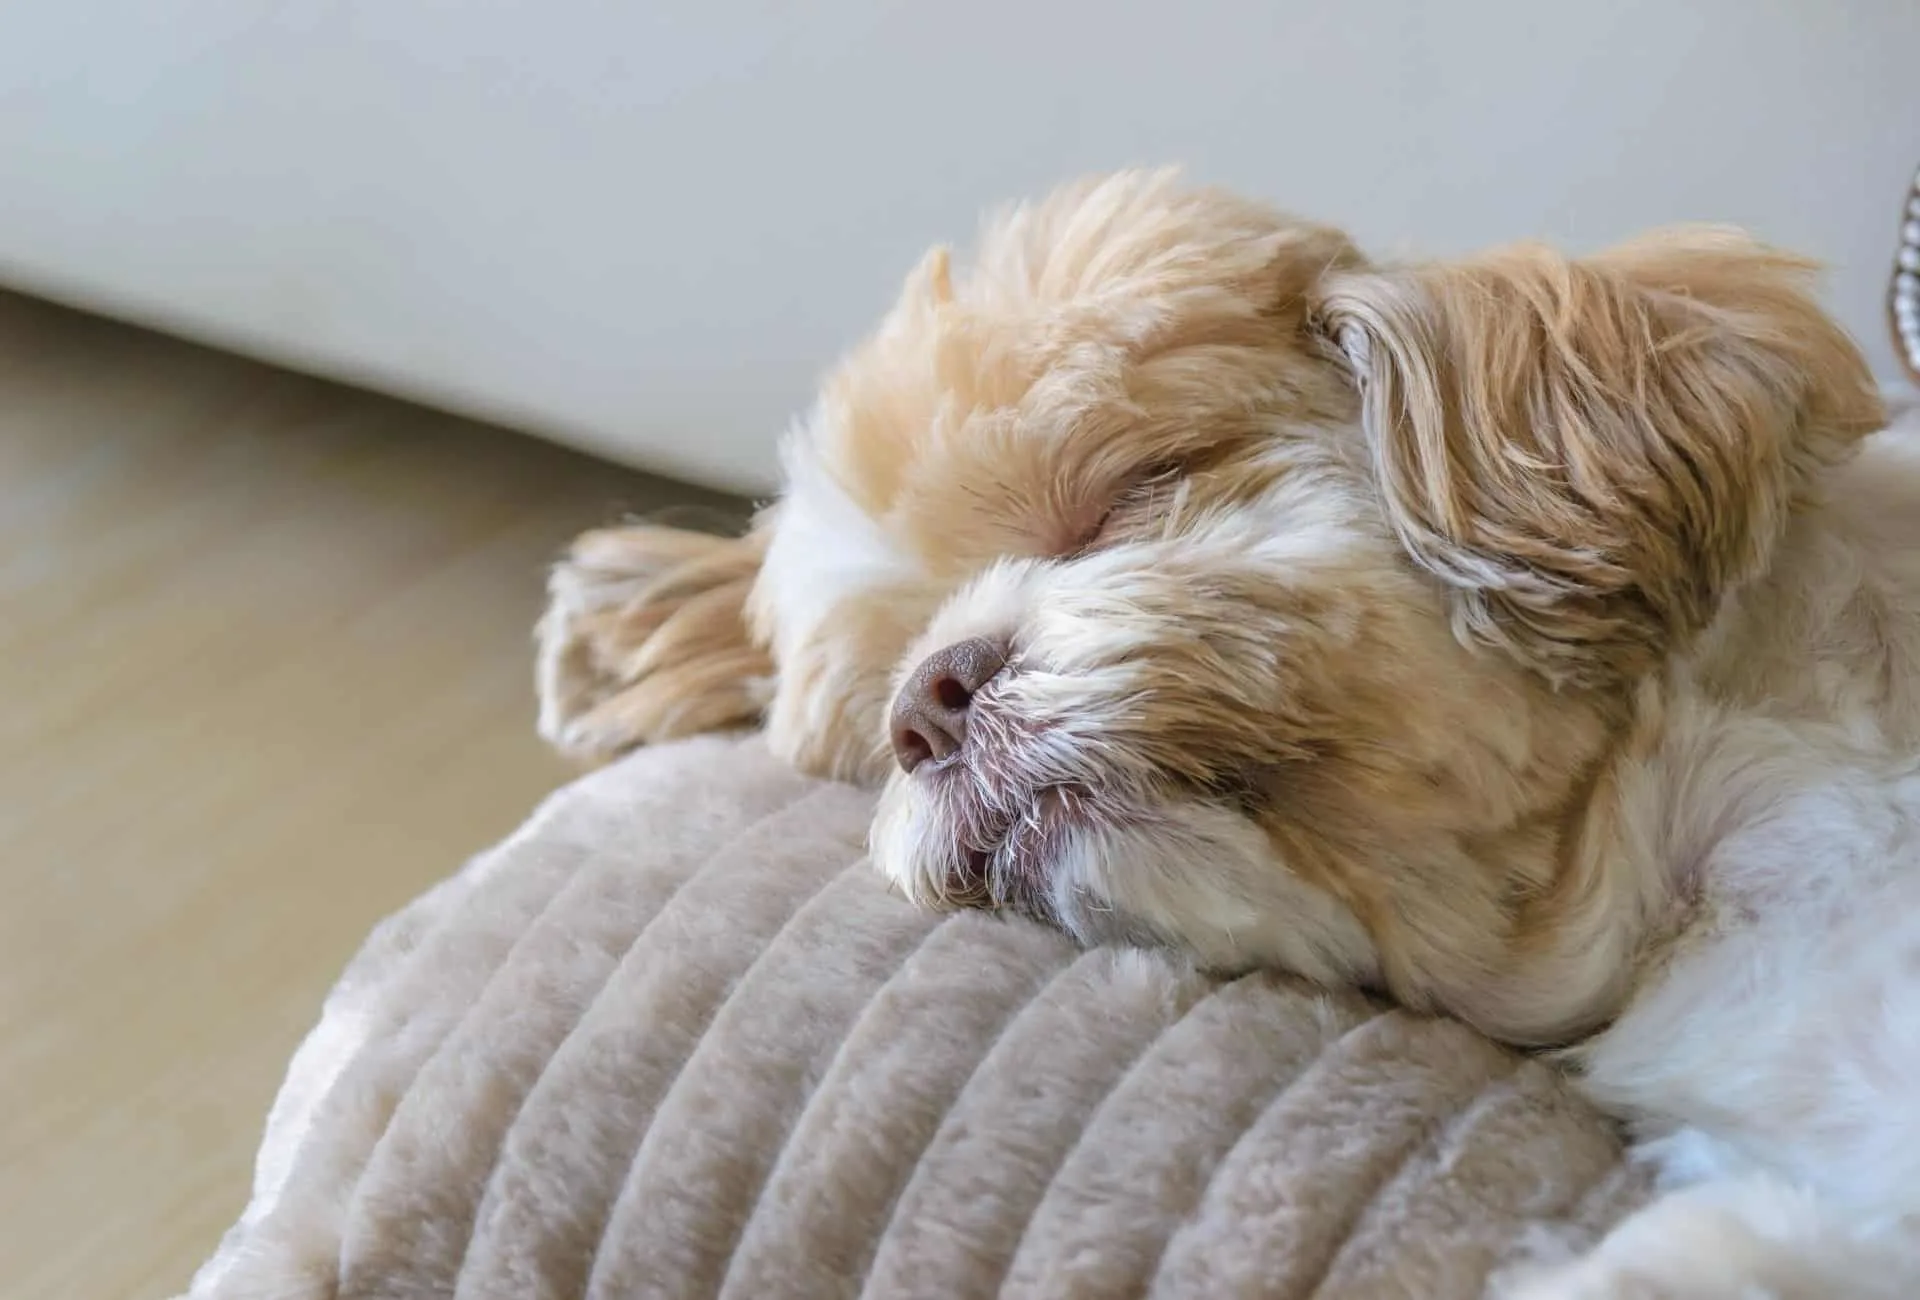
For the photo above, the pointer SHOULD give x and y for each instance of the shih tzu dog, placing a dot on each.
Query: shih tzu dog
(1533, 639)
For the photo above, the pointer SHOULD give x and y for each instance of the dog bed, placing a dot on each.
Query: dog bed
(674, 1038)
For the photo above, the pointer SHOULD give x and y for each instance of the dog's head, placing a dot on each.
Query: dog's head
(1188, 580)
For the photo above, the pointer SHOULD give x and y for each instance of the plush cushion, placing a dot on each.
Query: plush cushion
(675, 1038)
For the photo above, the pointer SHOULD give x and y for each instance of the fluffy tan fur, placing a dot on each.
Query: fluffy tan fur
(1449, 629)
(1595, 452)
(1586, 455)
(644, 641)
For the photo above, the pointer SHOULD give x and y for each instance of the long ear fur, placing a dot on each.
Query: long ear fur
(1593, 453)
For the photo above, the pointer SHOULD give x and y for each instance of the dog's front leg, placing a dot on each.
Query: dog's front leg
(1752, 1238)
(645, 640)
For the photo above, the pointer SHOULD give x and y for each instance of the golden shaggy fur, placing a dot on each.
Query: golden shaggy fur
(1320, 490)
(1375, 623)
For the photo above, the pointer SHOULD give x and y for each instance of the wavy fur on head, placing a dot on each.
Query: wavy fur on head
(1594, 453)
(1521, 635)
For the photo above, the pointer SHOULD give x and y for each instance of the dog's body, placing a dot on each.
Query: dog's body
(1535, 640)
(1768, 1048)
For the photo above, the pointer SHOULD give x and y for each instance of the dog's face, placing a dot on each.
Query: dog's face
(1188, 581)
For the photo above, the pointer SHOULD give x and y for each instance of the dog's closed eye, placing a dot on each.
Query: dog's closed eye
(1136, 503)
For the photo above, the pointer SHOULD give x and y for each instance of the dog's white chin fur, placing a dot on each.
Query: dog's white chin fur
(1165, 872)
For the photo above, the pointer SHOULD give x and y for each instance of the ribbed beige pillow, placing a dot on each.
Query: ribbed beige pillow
(674, 1038)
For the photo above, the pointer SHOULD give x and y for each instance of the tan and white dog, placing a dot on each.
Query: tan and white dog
(1533, 639)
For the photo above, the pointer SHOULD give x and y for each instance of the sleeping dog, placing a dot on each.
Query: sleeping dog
(1533, 639)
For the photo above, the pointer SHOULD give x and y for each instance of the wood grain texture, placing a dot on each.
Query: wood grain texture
(264, 674)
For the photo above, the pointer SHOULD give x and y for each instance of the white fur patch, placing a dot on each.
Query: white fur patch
(824, 548)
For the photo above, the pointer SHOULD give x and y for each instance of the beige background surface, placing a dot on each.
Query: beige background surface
(264, 673)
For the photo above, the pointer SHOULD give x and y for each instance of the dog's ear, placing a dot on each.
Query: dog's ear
(1592, 453)
(1299, 259)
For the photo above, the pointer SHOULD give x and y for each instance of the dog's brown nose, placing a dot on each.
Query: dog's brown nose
(930, 713)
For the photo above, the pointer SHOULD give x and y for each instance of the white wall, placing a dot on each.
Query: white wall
(644, 225)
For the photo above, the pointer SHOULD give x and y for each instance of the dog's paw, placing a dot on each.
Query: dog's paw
(1739, 1239)
(1587, 1281)
(645, 640)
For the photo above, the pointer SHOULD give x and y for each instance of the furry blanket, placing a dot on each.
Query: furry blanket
(673, 1038)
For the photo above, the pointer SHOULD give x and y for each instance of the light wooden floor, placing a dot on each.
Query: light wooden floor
(264, 669)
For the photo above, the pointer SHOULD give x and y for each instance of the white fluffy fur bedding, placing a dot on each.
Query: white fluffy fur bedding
(675, 1038)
